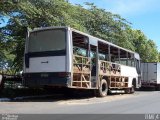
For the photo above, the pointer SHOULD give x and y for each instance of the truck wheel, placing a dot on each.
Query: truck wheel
(158, 88)
(103, 90)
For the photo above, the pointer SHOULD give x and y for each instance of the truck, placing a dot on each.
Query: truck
(150, 75)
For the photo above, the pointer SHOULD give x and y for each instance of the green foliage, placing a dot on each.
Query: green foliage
(145, 47)
(43, 13)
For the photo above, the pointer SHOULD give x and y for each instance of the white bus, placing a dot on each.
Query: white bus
(65, 57)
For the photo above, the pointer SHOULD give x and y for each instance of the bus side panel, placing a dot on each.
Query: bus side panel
(129, 72)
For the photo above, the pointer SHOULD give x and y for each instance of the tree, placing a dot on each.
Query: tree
(42, 13)
(144, 46)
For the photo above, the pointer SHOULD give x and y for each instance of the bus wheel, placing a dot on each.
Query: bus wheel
(128, 90)
(103, 90)
(132, 89)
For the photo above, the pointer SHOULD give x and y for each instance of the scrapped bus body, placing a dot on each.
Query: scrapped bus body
(65, 57)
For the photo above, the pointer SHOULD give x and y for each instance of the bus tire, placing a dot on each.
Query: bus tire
(133, 86)
(103, 89)
(128, 90)
(132, 89)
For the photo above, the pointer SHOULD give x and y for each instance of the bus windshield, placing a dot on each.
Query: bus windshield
(47, 40)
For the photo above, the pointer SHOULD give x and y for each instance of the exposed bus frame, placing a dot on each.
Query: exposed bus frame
(115, 79)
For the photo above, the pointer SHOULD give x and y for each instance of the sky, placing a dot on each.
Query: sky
(143, 14)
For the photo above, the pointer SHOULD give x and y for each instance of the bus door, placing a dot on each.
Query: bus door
(94, 64)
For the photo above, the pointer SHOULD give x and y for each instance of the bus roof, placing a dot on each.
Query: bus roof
(136, 55)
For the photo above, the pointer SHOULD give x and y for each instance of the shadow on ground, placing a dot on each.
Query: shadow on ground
(45, 95)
